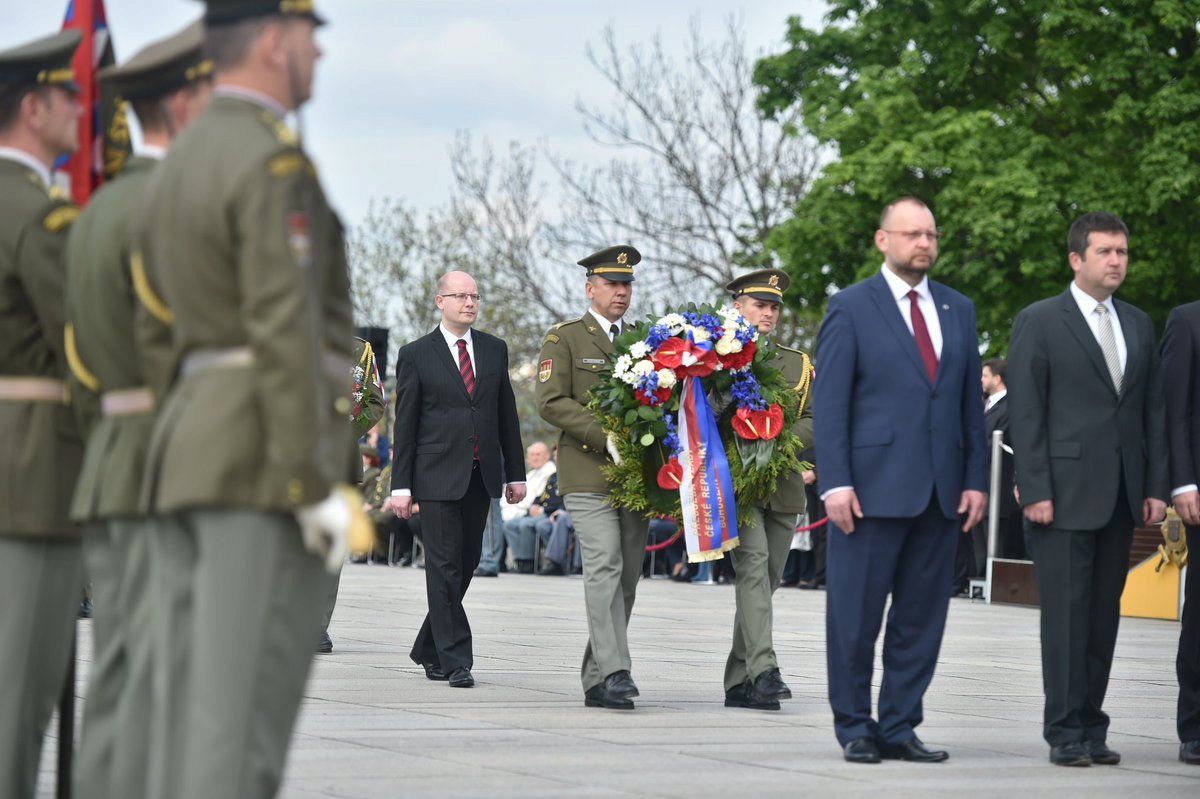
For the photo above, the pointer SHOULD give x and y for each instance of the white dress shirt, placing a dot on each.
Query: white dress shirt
(152, 151)
(899, 290)
(605, 325)
(994, 398)
(535, 480)
(452, 342)
(25, 159)
(925, 302)
(1087, 307)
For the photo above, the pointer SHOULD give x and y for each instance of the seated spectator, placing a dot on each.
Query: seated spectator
(521, 518)
(389, 528)
(562, 547)
(674, 557)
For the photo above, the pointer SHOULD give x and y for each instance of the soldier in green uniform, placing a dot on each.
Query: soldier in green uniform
(613, 541)
(252, 441)
(367, 397)
(752, 676)
(168, 84)
(40, 450)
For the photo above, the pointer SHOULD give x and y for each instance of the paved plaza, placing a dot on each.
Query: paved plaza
(373, 726)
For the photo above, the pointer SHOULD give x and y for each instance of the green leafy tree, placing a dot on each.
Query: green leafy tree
(1010, 118)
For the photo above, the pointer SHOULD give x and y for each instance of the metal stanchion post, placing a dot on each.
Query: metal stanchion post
(993, 528)
(66, 728)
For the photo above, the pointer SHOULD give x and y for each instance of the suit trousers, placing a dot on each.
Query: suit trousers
(613, 543)
(1080, 577)
(331, 599)
(758, 563)
(238, 604)
(913, 560)
(116, 722)
(1187, 662)
(41, 583)
(453, 536)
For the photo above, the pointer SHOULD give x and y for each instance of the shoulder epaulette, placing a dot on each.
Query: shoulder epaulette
(60, 217)
(288, 163)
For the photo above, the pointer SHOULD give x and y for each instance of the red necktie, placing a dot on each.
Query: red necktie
(921, 334)
(468, 377)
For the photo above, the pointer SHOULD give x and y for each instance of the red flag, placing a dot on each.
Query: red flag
(103, 129)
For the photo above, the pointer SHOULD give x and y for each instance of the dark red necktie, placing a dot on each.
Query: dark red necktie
(468, 377)
(921, 334)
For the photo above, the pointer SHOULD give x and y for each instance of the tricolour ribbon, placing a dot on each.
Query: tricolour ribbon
(706, 494)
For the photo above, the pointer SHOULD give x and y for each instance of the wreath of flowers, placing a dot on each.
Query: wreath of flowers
(637, 402)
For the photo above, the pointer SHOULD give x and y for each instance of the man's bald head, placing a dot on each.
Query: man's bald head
(886, 217)
(537, 455)
(458, 300)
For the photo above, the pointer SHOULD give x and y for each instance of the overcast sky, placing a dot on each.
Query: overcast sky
(400, 77)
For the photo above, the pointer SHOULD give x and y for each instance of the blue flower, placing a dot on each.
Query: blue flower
(671, 439)
(657, 335)
(745, 391)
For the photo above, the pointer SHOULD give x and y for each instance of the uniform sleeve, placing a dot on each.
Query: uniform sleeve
(555, 395)
(279, 285)
(804, 423)
(42, 268)
(152, 322)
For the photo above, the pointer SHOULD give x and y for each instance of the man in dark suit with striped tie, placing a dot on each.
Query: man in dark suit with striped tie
(457, 439)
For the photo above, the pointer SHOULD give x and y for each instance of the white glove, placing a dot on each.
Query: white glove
(611, 446)
(324, 528)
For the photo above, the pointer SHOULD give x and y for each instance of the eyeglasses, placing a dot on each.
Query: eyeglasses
(475, 298)
(913, 235)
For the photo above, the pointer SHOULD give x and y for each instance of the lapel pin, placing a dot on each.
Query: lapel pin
(945, 307)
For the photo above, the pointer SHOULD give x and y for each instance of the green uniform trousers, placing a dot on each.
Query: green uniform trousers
(238, 605)
(40, 587)
(613, 543)
(335, 583)
(758, 561)
(116, 721)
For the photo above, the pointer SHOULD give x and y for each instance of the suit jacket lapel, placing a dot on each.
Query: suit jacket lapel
(438, 343)
(890, 312)
(950, 332)
(1079, 328)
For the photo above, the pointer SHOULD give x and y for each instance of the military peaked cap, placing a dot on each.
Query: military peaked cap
(223, 12)
(613, 263)
(765, 284)
(161, 67)
(42, 62)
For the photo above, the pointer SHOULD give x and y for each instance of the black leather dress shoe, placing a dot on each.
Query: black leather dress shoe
(914, 752)
(745, 696)
(861, 750)
(1100, 754)
(1189, 752)
(620, 684)
(1072, 754)
(324, 644)
(551, 570)
(484, 573)
(434, 672)
(461, 678)
(599, 696)
(770, 684)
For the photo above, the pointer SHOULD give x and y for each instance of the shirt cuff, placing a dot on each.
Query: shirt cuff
(1184, 490)
(518, 483)
(833, 491)
(401, 492)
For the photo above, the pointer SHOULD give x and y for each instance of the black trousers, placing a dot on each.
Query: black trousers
(1080, 577)
(452, 533)
(1187, 663)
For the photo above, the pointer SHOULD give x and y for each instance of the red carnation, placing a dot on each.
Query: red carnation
(670, 476)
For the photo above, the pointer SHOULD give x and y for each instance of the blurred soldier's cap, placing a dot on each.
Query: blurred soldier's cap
(42, 62)
(613, 263)
(222, 12)
(765, 284)
(161, 67)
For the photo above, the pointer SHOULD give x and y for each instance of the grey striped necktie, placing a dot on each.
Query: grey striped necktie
(1108, 345)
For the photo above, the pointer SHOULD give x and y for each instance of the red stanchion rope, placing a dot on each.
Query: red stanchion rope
(674, 538)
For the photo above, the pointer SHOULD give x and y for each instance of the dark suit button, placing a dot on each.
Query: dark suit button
(474, 410)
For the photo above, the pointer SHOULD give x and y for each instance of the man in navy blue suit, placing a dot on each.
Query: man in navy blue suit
(899, 430)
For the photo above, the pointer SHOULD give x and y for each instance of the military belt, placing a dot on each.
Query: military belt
(127, 402)
(33, 389)
(336, 366)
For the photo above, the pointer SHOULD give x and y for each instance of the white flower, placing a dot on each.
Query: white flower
(699, 334)
(724, 346)
(639, 349)
(666, 378)
(621, 368)
(673, 322)
(643, 367)
(629, 379)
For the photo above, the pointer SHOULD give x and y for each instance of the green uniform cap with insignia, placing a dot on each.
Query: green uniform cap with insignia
(42, 62)
(223, 12)
(613, 263)
(765, 284)
(162, 67)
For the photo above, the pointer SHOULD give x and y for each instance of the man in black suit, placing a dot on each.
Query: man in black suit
(1089, 434)
(1011, 543)
(1181, 380)
(456, 432)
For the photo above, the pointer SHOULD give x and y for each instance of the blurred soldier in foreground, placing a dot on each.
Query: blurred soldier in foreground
(252, 441)
(168, 84)
(40, 570)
